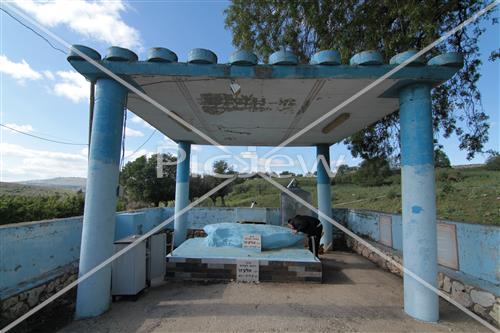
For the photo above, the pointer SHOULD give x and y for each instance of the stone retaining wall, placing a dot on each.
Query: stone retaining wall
(18, 304)
(481, 302)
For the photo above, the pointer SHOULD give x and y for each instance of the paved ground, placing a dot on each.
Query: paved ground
(356, 297)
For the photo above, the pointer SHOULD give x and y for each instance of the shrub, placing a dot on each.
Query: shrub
(343, 175)
(493, 162)
(448, 175)
(17, 208)
(373, 172)
(393, 194)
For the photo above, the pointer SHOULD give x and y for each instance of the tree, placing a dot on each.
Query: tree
(344, 174)
(198, 186)
(221, 169)
(493, 161)
(352, 26)
(141, 181)
(441, 160)
(373, 172)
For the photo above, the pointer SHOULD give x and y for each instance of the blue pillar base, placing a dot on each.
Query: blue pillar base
(94, 294)
(324, 195)
(418, 202)
(182, 193)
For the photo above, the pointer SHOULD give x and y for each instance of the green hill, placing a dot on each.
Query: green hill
(469, 195)
(30, 190)
(70, 183)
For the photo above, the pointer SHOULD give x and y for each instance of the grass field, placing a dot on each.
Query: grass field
(468, 195)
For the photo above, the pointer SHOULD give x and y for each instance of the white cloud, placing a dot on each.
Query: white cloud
(99, 20)
(21, 128)
(72, 85)
(130, 132)
(20, 162)
(68, 84)
(20, 71)
(49, 75)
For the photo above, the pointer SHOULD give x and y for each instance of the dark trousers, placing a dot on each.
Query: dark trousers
(315, 239)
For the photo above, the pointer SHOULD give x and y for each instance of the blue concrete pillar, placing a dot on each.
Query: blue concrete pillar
(419, 201)
(324, 194)
(100, 197)
(182, 192)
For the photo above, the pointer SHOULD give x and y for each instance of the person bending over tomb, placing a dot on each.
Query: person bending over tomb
(310, 226)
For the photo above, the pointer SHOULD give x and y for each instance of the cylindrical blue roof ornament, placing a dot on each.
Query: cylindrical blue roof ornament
(451, 59)
(399, 58)
(326, 57)
(367, 58)
(283, 57)
(76, 51)
(116, 53)
(161, 54)
(243, 58)
(201, 56)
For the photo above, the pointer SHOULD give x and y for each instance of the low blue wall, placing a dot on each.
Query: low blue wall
(199, 217)
(477, 244)
(34, 252)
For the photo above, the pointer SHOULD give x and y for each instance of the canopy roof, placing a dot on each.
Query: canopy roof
(273, 102)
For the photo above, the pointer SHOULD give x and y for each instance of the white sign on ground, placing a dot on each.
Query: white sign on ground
(247, 271)
(252, 242)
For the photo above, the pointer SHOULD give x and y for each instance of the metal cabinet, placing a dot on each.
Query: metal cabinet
(157, 251)
(129, 270)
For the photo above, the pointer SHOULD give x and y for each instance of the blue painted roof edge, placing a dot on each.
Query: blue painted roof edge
(434, 74)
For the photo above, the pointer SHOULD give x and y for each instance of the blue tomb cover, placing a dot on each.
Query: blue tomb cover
(231, 234)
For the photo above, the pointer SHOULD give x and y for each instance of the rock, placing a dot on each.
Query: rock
(460, 295)
(18, 310)
(379, 261)
(440, 280)
(51, 286)
(34, 295)
(483, 298)
(457, 286)
(9, 302)
(446, 284)
(480, 311)
(23, 296)
(495, 313)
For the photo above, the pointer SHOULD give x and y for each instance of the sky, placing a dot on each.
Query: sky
(41, 94)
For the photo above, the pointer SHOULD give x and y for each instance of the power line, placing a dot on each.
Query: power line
(147, 140)
(35, 32)
(42, 138)
(61, 142)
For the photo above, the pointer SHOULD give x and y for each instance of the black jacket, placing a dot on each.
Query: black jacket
(309, 225)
